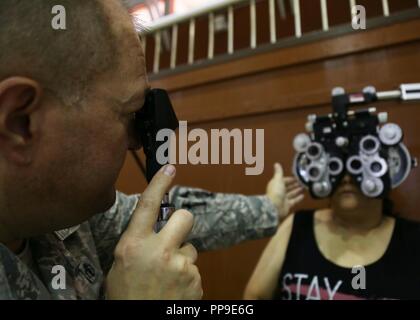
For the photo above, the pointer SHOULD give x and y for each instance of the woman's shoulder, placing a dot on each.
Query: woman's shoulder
(298, 222)
(294, 222)
(309, 217)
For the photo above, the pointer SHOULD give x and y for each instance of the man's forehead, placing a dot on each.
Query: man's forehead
(130, 75)
(130, 47)
(134, 66)
(121, 22)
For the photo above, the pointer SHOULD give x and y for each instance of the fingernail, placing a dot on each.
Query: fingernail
(169, 170)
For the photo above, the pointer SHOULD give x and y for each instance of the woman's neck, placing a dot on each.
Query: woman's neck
(363, 218)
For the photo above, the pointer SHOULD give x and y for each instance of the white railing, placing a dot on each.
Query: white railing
(160, 28)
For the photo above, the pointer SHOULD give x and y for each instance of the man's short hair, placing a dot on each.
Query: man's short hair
(65, 62)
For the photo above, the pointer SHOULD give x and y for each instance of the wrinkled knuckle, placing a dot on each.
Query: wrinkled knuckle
(163, 256)
(124, 250)
(145, 203)
(194, 270)
(186, 215)
(194, 274)
(197, 288)
(192, 249)
(184, 267)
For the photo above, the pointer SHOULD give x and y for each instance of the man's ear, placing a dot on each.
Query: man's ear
(19, 97)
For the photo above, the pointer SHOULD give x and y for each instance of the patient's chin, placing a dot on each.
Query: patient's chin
(348, 201)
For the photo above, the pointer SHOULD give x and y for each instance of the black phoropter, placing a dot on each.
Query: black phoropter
(357, 142)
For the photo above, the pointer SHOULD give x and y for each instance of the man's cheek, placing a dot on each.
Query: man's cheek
(107, 144)
(115, 152)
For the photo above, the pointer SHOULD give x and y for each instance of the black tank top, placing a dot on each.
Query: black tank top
(308, 275)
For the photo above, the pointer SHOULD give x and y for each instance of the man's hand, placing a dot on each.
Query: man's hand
(284, 192)
(155, 266)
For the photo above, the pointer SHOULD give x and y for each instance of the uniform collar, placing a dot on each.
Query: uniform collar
(65, 233)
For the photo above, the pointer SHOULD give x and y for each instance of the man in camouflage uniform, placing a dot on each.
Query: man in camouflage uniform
(87, 254)
(66, 105)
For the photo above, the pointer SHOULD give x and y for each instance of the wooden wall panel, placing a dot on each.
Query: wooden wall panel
(278, 101)
(298, 86)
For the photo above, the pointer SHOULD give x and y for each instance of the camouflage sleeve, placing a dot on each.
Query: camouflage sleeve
(223, 220)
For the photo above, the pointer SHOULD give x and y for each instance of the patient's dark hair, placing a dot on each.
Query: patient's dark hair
(65, 62)
(388, 207)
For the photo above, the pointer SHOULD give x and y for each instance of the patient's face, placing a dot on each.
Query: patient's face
(348, 195)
